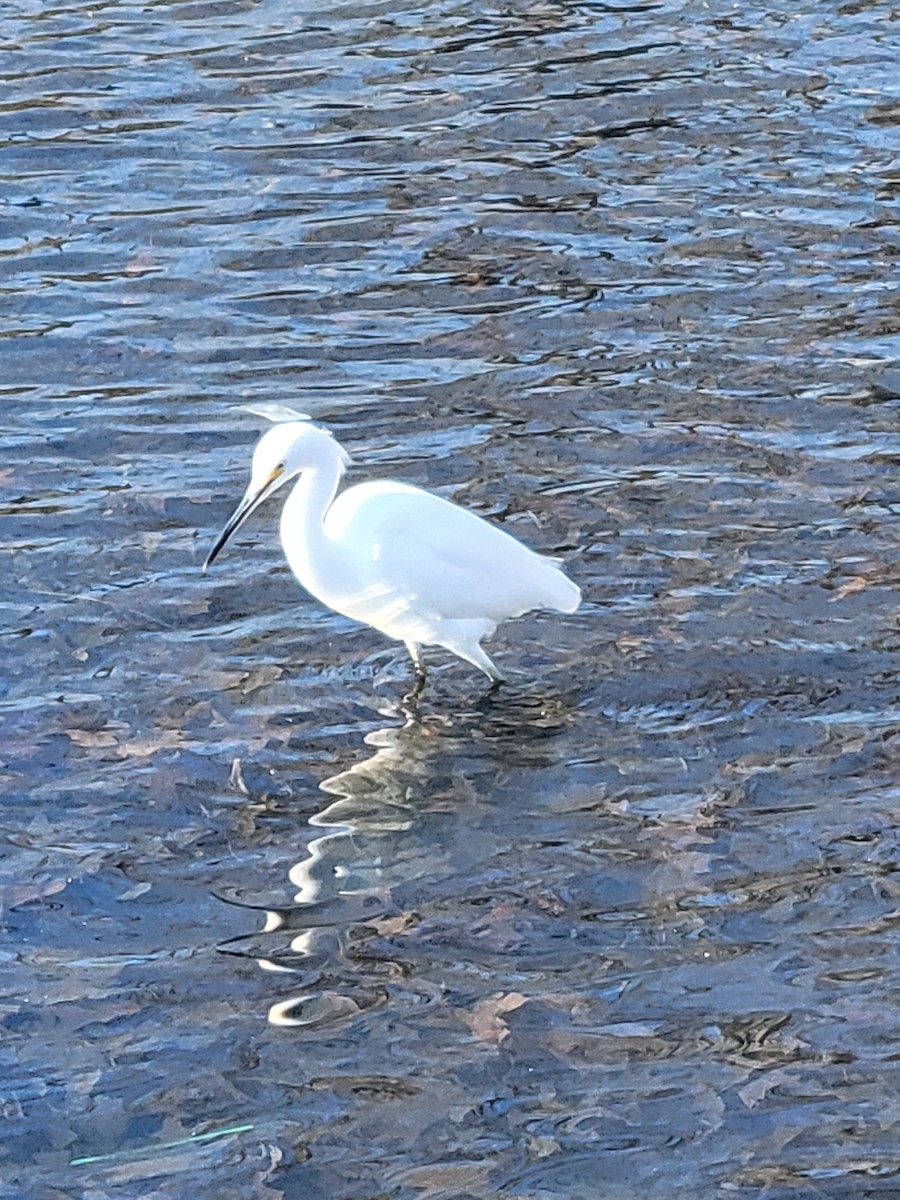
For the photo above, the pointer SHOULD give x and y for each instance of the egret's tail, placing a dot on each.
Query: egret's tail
(562, 594)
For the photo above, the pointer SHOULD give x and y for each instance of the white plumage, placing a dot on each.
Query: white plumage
(412, 565)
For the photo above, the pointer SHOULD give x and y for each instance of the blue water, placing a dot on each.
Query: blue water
(622, 278)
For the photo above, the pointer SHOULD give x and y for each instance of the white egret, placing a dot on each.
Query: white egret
(412, 565)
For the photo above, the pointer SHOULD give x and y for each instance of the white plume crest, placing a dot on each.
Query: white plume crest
(274, 412)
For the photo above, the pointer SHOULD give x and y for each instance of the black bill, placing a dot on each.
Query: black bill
(250, 502)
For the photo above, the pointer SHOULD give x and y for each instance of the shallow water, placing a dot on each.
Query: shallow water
(621, 277)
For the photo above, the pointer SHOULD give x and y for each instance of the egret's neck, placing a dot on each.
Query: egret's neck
(303, 516)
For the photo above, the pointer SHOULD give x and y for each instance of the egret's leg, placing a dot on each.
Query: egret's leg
(415, 653)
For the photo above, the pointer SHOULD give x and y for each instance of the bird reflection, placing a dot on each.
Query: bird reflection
(423, 804)
(348, 873)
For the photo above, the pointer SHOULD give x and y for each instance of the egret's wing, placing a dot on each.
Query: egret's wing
(270, 411)
(428, 557)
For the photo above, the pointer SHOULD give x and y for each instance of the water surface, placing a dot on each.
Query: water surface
(622, 277)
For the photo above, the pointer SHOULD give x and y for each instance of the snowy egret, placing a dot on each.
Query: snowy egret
(412, 565)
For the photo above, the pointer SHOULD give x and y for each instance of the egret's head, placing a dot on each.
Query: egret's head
(283, 452)
(289, 448)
